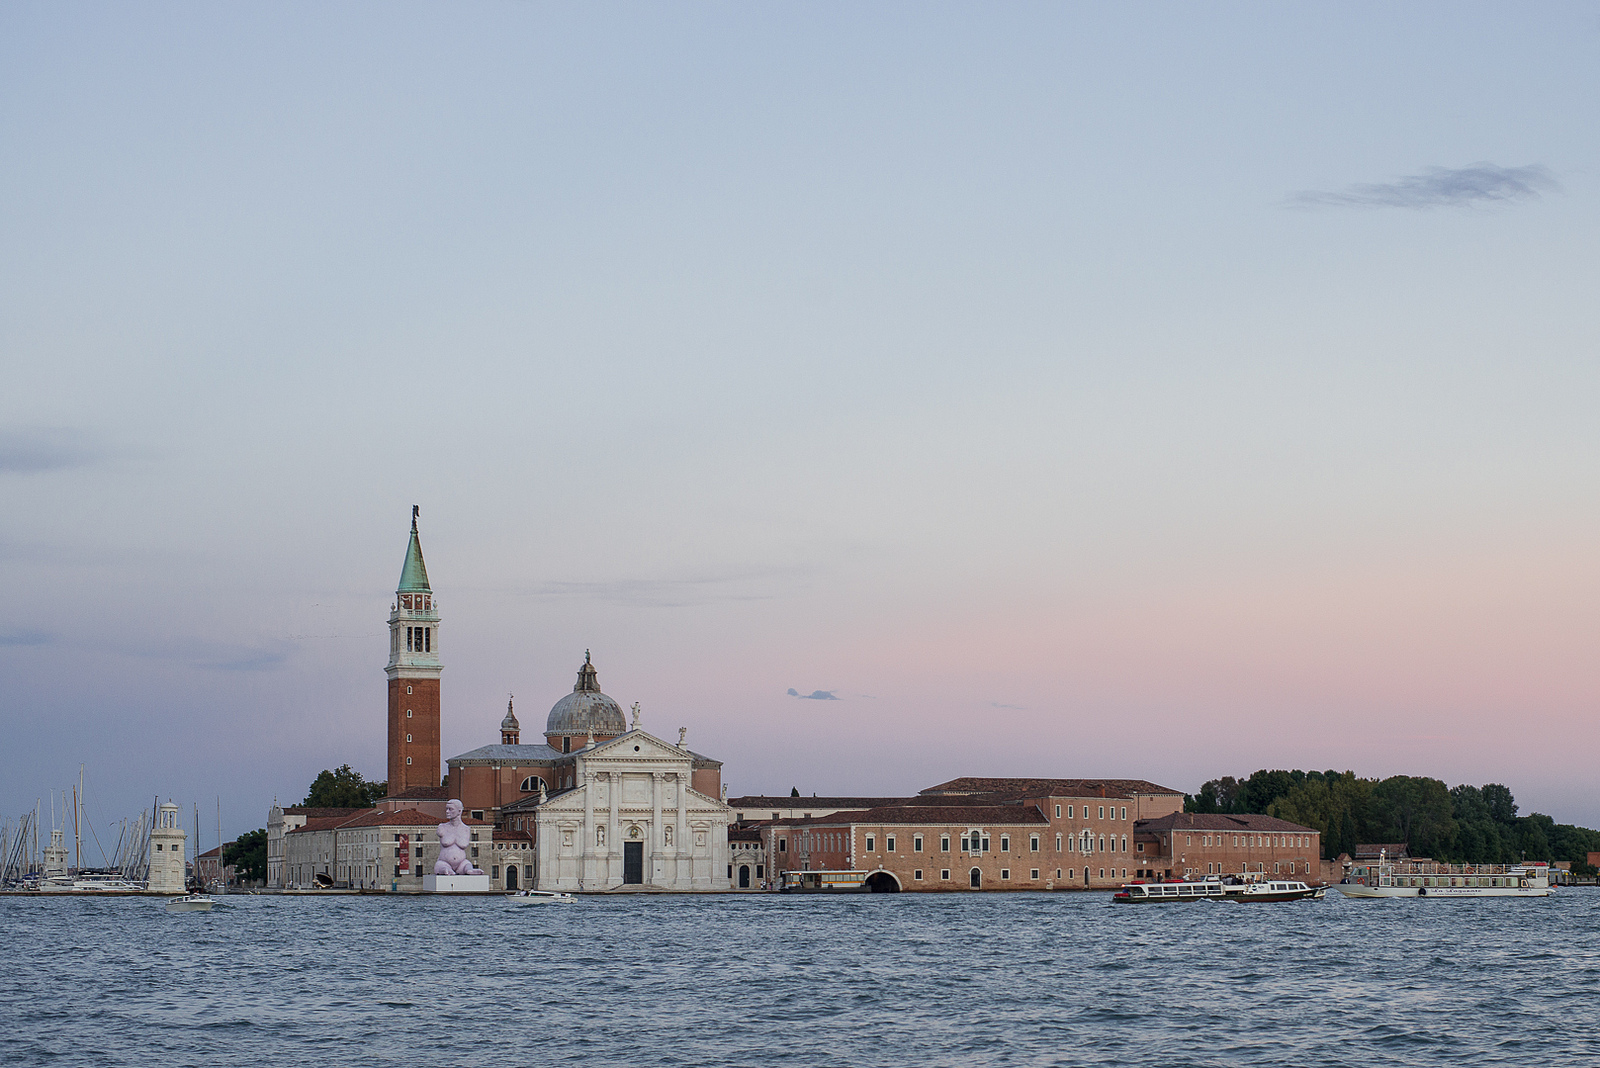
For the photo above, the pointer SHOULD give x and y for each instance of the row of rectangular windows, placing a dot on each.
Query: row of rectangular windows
(980, 843)
(1291, 841)
(1070, 810)
(1033, 874)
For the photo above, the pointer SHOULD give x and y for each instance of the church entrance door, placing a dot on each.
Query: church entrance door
(511, 876)
(744, 877)
(633, 862)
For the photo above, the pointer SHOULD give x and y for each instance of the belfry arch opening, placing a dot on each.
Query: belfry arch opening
(882, 882)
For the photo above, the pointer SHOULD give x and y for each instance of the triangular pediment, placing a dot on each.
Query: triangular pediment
(649, 746)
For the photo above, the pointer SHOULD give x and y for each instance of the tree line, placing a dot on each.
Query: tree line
(1461, 825)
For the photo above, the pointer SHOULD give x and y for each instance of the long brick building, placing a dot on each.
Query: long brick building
(1029, 834)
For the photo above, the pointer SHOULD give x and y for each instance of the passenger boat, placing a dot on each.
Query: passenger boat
(1156, 893)
(1275, 890)
(1418, 879)
(190, 903)
(824, 882)
(540, 897)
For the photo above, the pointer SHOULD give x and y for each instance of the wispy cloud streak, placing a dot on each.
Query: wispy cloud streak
(758, 585)
(40, 449)
(814, 695)
(1439, 187)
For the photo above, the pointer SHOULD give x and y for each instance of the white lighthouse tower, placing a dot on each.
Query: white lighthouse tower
(166, 852)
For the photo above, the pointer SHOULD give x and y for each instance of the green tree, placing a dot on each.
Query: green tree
(249, 852)
(1419, 812)
(794, 791)
(343, 788)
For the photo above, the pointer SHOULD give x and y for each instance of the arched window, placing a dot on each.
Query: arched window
(530, 785)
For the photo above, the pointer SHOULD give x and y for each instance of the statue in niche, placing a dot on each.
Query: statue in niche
(453, 841)
(599, 836)
(667, 830)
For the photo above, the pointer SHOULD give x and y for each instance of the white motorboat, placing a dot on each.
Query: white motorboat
(190, 903)
(540, 897)
(1414, 879)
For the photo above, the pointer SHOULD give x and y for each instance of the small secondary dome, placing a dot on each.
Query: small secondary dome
(586, 710)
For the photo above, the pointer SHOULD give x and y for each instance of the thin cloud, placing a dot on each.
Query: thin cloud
(756, 585)
(36, 450)
(1014, 708)
(814, 695)
(26, 637)
(1439, 187)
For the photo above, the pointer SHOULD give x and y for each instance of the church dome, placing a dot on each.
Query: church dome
(586, 710)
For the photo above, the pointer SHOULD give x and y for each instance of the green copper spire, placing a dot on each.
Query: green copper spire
(414, 575)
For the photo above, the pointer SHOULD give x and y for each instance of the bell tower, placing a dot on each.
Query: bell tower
(413, 676)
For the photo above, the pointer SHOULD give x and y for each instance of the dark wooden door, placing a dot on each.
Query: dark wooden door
(744, 877)
(633, 862)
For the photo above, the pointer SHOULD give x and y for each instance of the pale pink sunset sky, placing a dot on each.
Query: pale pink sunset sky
(1162, 392)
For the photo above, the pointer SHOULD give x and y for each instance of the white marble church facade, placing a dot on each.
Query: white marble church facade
(631, 818)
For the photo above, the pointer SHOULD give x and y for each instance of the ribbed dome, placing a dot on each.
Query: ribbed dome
(586, 710)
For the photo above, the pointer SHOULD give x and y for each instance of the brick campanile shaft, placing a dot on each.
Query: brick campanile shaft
(413, 675)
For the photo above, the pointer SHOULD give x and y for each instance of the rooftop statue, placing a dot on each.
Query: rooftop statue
(453, 841)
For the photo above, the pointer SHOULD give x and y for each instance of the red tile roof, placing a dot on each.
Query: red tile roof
(1015, 788)
(380, 817)
(924, 815)
(1215, 821)
(321, 813)
(763, 801)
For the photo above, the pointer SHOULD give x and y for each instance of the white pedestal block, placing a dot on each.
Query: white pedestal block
(456, 884)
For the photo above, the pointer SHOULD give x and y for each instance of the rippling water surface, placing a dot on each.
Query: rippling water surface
(1002, 979)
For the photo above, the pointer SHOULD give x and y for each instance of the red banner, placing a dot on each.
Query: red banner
(402, 852)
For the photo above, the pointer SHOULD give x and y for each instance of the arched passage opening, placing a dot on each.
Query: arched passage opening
(882, 882)
(977, 879)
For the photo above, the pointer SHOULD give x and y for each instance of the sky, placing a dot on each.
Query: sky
(883, 392)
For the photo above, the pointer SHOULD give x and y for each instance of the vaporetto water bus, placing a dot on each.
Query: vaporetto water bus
(1424, 879)
(1162, 893)
(824, 882)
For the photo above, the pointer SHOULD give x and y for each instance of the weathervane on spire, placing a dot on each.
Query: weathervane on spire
(416, 510)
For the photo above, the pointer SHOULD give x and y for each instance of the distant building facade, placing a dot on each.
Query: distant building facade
(600, 804)
(981, 834)
(280, 821)
(376, 848)
(1190, 844)
(210, 871)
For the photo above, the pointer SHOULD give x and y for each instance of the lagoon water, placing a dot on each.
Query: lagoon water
(955, 979)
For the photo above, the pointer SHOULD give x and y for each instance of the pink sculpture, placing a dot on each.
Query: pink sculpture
(453, 840)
